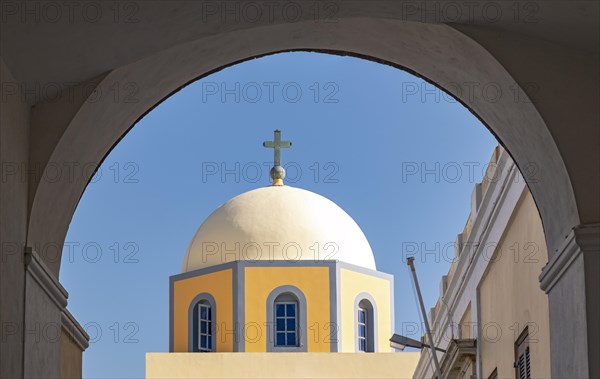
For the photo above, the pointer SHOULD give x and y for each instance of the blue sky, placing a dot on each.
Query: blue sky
(397, 154)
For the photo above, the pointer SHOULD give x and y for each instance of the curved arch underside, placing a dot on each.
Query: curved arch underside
(437, 52)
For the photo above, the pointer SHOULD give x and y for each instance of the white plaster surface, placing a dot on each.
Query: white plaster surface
(278, 223)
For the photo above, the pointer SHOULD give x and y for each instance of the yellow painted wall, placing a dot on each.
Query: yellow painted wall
(510, 296)
(353, 283)
(281, 365)
(219, 284)
(312, 281)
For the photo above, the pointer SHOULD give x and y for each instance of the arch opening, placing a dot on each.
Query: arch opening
(437, 53)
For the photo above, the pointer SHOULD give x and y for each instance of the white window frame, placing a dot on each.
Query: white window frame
(365, 302)
(286, 293)
(285, 317)
(209, 332)
(363, 348)
(194, 324)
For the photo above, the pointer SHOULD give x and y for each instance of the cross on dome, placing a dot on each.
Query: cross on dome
(277, 172)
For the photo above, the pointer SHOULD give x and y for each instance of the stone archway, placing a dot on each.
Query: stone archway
(464, 56)
(438, 53)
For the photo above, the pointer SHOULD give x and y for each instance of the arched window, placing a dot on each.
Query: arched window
(205, 322)
(202, 315)
(365, 316)
(286, 310)
(363, 324)
(286, 320)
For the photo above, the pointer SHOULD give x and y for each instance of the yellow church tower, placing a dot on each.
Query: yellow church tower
(279, 270)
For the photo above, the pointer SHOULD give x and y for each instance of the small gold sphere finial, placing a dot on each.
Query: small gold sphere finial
(277, 173)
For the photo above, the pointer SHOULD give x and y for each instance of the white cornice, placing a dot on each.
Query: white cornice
(74, 329)
(583, 238)
(40, 273)
(38, 270)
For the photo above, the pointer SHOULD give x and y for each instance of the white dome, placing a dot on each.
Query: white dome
(278, 223)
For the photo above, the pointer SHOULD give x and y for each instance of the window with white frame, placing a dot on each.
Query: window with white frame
(205, 326)
(286, 323)
(365, 324)
(286, 316)
(362, 329)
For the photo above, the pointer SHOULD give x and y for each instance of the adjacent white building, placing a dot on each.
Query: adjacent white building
(491, 316)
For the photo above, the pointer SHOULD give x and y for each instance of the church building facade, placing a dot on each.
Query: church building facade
(287, 275)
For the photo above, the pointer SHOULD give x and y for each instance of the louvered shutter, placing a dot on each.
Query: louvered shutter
(527, 362)
(523, 363)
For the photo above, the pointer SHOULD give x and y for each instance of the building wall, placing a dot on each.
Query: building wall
(493, 288)
(314, 282)
(511, 298)
(14, 154)
(352, 283)
(220, 285)
(70, 357)
(43, 316)
(466, 324)
(280, 365)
